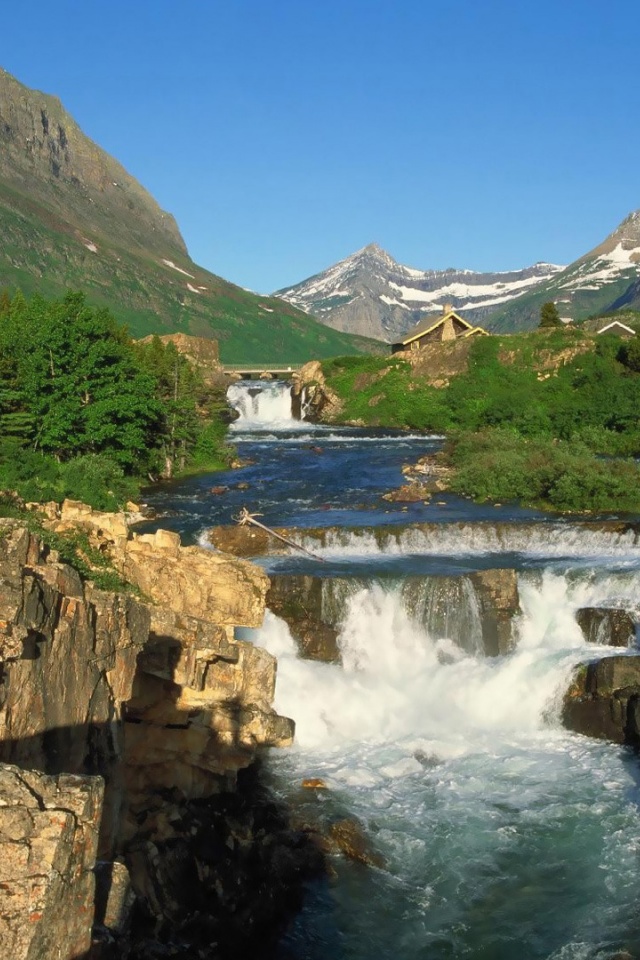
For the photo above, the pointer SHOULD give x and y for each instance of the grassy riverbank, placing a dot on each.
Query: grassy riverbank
(497, 465)
(529, 417)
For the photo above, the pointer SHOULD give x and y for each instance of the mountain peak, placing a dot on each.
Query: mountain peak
(44, 152)
(373, 252)
(373, 293)
(629, 229)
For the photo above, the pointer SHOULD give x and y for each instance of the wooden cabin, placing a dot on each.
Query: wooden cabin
(438, 328)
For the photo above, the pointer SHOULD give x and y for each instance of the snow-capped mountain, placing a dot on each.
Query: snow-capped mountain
(372, 294)
(607, 278)
(610, 268)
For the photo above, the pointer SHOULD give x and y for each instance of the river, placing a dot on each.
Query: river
(503, 836)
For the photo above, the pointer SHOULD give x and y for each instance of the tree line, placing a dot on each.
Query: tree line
(87, 412)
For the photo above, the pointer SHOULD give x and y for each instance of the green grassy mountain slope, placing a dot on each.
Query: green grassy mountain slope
(72, 217)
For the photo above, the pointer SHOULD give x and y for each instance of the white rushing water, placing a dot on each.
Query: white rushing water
(481, 539)
(398, 681)
(504, 836)
(261, 403)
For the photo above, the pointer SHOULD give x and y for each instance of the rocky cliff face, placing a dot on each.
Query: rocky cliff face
(45, 152)
(71, 217)
(48, 838)
(152, 697)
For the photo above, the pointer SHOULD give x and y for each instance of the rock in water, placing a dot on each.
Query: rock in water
(349, 837)
(603, 700)
(606, 626)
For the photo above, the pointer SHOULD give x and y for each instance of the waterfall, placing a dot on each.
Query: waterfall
(545, 540)
(410, 664)
(488, 814)
(261, 402)
(448, 608)
(398, 680)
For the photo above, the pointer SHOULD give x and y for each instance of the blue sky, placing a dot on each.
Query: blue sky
(285, 134)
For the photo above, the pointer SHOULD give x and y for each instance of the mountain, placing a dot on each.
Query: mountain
(72, 217)
(605, 279)
(372, 294)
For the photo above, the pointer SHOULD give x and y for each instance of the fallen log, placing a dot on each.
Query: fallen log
(244, 518)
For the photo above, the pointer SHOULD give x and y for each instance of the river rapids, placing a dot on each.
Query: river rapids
(503, 836)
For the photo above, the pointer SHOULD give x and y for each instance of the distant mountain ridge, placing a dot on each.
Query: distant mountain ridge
(371, 294)
(72, 217)
(370, 291)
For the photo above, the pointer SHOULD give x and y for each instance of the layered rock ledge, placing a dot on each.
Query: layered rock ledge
(126, 720)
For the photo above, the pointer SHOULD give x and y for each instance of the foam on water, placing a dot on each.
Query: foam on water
(480, 539)
(393, 682)
(504, 835)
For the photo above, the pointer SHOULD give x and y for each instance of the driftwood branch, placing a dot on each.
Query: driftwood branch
(244, 518)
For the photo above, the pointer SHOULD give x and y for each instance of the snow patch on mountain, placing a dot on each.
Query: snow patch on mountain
(170, 263)
(392, 297)
(604, 268)
(503, 290)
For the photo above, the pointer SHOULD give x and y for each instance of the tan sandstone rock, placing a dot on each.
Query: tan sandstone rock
(195, 581)
(320, 401)
(48, 840)
(156, 695)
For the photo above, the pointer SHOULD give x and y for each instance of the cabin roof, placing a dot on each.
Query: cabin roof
(434, 320)
(617, 323)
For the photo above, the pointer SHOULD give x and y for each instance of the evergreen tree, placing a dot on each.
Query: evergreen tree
(180, 390)
(630, 354)
(5, 303)
(549, 316)
(82, 407)
(76, 373)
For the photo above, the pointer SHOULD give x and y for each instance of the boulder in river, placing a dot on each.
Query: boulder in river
(412, 492)
(606, 626)
(497, 592)
(350, 839)
(246, 541)
(314, 783)
(603, 700)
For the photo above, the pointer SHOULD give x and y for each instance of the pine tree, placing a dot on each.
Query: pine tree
(549, 316)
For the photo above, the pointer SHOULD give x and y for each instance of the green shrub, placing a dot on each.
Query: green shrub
(499, 466)
(99, 481)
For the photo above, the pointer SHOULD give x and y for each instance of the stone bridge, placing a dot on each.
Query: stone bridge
(283, 371)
